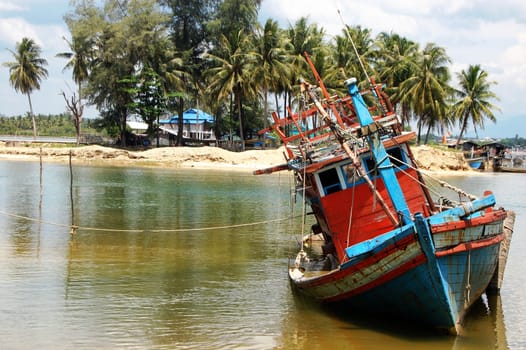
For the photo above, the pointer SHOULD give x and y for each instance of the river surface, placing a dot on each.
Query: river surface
(189, 259)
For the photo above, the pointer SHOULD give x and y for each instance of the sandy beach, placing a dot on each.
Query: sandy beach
(428, 158)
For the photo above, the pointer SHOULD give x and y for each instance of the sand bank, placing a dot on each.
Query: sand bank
(428, 158)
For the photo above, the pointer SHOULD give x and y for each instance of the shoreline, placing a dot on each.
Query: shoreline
(211, 158)
(429, 159)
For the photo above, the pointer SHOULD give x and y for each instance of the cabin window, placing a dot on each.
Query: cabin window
(330, 181)
(396, 156)
(370, 165)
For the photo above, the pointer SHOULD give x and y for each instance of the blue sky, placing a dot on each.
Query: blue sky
(489, 33)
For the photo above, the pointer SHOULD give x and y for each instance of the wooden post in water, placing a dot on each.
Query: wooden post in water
(39, 227)
(41, 185)
(72, 231)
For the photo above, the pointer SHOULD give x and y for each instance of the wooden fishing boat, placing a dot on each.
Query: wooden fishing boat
(387, 245)
(513, 161)
(476, 163)
(476, 159)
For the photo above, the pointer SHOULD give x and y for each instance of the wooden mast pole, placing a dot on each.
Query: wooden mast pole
(356, 162)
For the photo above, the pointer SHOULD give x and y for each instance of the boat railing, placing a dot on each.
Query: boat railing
(319, 145)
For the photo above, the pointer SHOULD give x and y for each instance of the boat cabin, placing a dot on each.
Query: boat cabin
(344, 175)
(338, 189)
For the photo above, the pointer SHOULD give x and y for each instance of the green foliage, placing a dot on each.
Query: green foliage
(474, 99)
(146, 92)
(48, 125)
(233, 16)
(27, 71)
(514, 142)
(148, 57)
(126, 37)
(188, 20)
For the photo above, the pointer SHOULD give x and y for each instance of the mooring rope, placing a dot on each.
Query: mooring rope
(74, 228)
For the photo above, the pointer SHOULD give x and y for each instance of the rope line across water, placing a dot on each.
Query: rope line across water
(86, 228)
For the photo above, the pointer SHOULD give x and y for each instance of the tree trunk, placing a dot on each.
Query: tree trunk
(77, 129)
(405, 118)
(276, 98)
(122, 118)
(240, 116)
(288, 104)
(419, 131)
(157, 131)
(265, 109)
(427, 134)
(215, 126)
(180, 122)
(32, 116)
(462, 129)
(231, 132)
(78, 121)
(265, 117)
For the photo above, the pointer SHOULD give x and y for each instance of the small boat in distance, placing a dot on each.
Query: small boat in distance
(476, 163)
(514, 161)
(386, 244)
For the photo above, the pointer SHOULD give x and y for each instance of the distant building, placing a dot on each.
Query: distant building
(483, 155)
(137, 127)
(137, 133)
(197, 126)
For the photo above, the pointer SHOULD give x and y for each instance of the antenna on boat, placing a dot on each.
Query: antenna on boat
(354, 47)
(374, 88)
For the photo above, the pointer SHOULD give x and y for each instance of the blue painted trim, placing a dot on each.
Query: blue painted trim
(465, 210)
(380, 155)
(364, 249)
(409, 297)
(438, 283)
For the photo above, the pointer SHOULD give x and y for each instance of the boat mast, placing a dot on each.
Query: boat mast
(371, 131)
(336, 130)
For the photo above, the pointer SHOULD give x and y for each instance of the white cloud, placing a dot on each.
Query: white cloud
(14, 29)
(10, 6)
(513, 57)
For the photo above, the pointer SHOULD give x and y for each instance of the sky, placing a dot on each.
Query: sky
(489, 33)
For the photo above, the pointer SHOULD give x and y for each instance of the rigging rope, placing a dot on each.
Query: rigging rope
(440, 182)
(351, 209)
(304, 200)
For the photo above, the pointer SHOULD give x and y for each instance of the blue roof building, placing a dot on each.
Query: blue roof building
(197, 125)
(190, 116)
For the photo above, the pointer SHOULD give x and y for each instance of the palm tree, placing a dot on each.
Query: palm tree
(78, 62)
(301, 37)
(232, 73)
(271, 65)
(27, 71)
(395, 55)
(347, 58)
(474, 99)
(427, 89)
